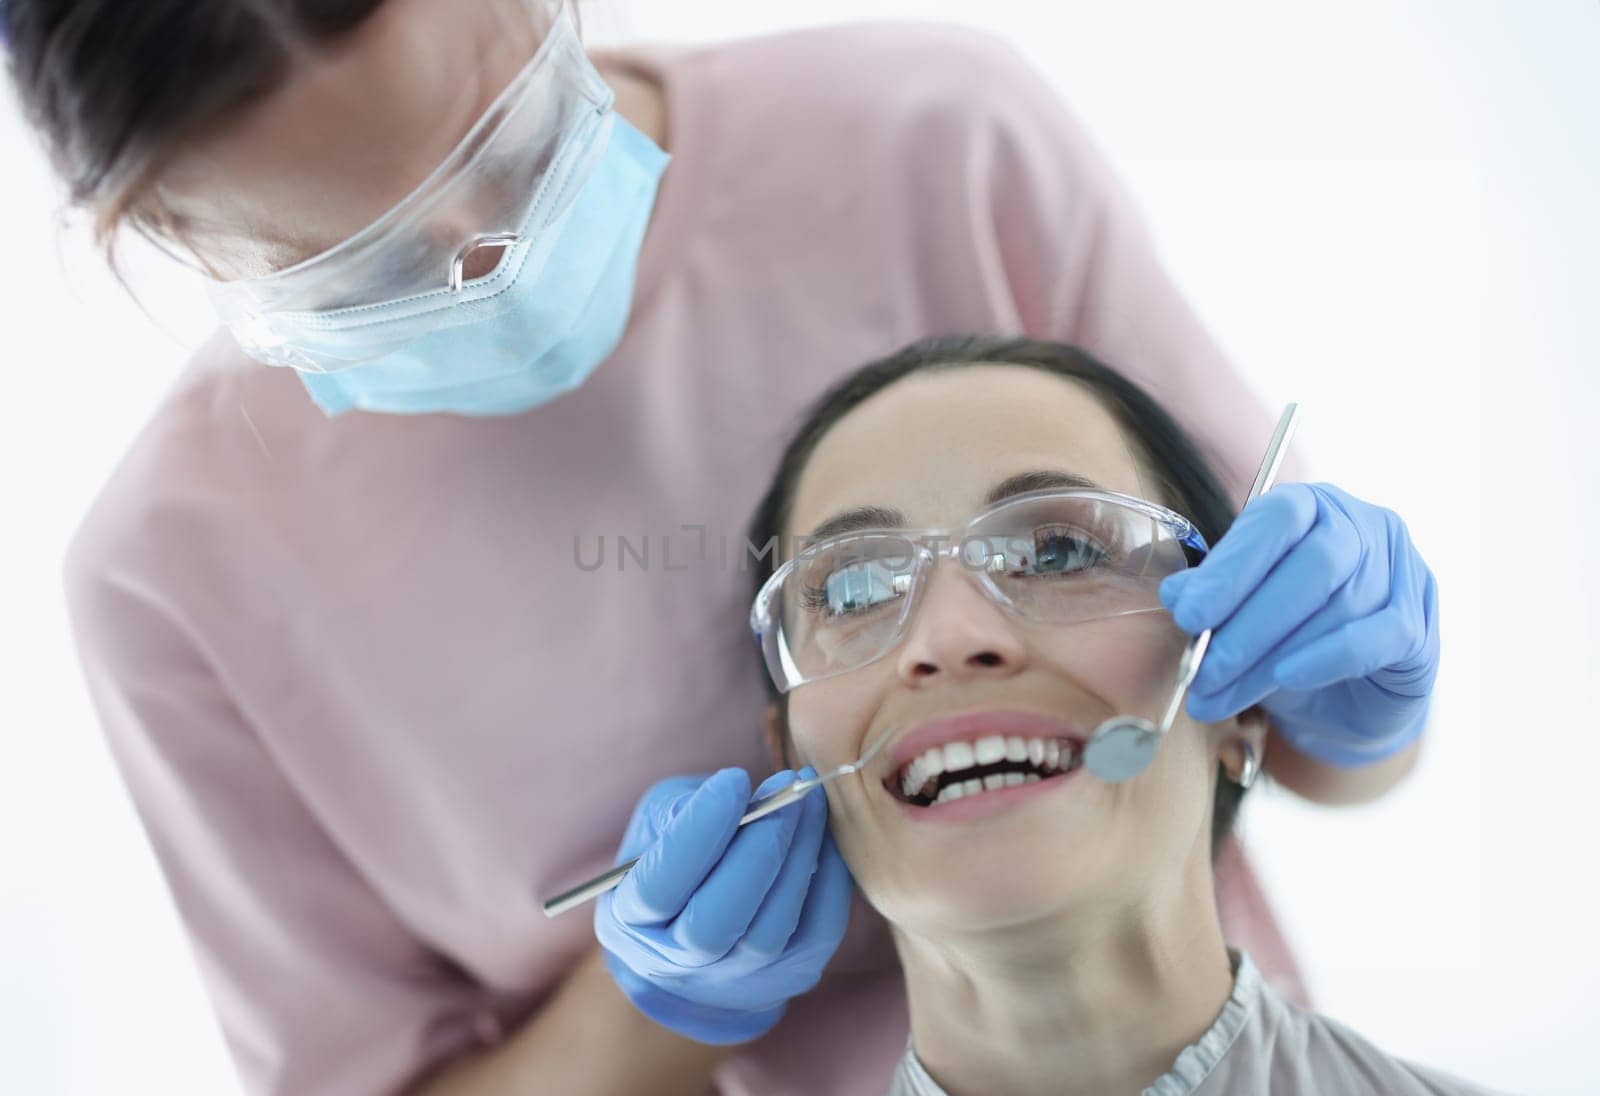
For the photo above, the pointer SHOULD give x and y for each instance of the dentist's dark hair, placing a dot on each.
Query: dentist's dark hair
(115, 86)
(1183, 476)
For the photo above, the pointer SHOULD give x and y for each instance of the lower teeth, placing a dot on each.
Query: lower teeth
(960, 788)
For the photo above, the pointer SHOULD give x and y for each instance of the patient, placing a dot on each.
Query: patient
(1058, 934)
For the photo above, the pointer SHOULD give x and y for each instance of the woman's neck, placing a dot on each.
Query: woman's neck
(1094, 1002)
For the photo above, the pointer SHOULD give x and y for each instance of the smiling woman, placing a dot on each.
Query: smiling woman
(1169, 468)
(1058, 934)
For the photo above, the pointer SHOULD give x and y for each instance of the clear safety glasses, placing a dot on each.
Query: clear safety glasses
(1056, 556)
(512, 177)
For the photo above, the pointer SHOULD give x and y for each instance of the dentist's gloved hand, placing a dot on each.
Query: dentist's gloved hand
(1324, 614)
(717, 926)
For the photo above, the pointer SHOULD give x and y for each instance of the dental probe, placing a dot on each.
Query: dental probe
(760, 808)
(1124, 745)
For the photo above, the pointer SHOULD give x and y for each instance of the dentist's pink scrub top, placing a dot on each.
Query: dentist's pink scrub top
(371, 697)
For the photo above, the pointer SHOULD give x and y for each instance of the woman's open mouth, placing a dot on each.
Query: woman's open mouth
(995, 762)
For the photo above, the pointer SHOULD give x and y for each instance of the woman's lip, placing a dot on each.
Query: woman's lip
(971, 726)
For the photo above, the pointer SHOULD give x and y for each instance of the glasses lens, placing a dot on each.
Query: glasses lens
(845, 601)
(1067, 559)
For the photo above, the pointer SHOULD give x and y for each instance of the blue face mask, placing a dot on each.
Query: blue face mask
(536, 327)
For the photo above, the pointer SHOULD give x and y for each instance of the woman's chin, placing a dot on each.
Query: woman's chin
(964, 891)
(1024, 853)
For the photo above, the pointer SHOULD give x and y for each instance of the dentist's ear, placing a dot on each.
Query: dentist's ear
(775, 731)
(1243, 750)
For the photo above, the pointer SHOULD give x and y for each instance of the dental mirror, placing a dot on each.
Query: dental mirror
(1124, 745)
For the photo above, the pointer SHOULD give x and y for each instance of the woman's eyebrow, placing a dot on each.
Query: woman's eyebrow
(1040, 480)
(862, 517)
(879, 517)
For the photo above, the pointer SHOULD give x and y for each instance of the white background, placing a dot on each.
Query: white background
(1383, 210)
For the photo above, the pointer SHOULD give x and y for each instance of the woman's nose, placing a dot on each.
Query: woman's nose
(958, 633)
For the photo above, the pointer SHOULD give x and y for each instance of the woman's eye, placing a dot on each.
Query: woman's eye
(852, 589)
(1056, 552)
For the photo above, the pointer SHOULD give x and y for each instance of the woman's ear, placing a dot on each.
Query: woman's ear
(773, 728)
(1243, 750)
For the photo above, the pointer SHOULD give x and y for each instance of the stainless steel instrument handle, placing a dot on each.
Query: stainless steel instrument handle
(597, 886)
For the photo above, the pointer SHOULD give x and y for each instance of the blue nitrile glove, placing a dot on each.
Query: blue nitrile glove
(717, 926)
(1324, 614)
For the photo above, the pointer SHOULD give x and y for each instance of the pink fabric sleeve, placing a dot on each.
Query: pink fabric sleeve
(318, 988)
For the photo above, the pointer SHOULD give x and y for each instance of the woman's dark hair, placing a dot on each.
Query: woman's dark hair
(114, 86)
(1183, 475)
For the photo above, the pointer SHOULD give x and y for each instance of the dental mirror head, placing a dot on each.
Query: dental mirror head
(1121, 748)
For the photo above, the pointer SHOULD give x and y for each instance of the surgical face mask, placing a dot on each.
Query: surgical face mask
(388, 320)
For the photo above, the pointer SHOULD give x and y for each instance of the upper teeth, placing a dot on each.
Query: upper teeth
(1041, 753)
